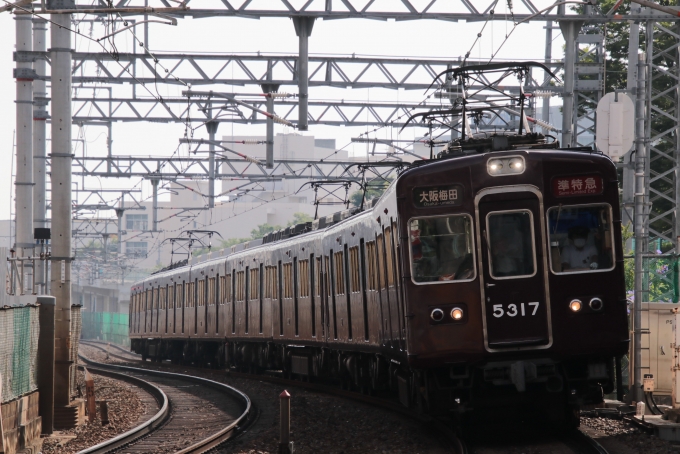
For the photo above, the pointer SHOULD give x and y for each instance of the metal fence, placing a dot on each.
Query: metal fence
(106, 326)
(76, 327)
(18, 350)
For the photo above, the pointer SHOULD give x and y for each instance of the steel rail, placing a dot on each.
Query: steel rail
(215, 439)
(441, 426)
(141, 430)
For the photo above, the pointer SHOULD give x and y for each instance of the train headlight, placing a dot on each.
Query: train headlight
(511, 165)
(457, 313)
(437, 315)
(516, 164)
(495, 167)
(575, 305)
(596, 304)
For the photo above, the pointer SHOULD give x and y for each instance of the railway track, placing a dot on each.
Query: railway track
(575, 442)
(196, 414)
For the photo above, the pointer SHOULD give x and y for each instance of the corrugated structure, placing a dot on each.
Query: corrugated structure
(76, 328)
(106, 326)
(18, 350)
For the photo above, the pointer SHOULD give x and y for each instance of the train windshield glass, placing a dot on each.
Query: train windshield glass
(580, 238)
(441, 249)
(511, 244)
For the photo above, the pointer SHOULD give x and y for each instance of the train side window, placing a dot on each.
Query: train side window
(171, 296)
(581, 238)
(441, 249)
(339, 274)
(211, 291)
(303, 266)
(354, 269)
(201, 293)
(240, 285)
(191, 296)
(225, 289)
(389, 257)
(287, 280)
(163, 293)
(371, 272)
(254, 290)
(317, 279)
(381, 263)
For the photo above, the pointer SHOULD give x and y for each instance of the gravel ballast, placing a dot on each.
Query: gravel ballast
(128, 406)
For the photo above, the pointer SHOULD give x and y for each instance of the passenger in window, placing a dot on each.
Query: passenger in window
(505, 256)
(579, 254)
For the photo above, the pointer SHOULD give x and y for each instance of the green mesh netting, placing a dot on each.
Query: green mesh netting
(106, 326)
(19, 330)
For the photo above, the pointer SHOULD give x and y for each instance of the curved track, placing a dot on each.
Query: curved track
(575, 442)
(198, 414)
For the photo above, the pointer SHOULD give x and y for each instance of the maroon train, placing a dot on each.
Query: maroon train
(477, 279)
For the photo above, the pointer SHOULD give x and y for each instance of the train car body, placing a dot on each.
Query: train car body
(476, 280)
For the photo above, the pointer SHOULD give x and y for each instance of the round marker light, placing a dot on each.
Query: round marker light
(457, 313)
(575, 305)
(596, 304)
(437, 315)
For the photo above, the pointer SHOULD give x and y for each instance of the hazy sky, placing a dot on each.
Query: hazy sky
(233, 35)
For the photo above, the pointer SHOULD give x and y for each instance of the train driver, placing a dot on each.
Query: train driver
(578, 254)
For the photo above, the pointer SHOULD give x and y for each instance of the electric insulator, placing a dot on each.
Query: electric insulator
(545, 125)
(542, 94)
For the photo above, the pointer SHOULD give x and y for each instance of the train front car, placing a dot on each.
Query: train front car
(514, 279)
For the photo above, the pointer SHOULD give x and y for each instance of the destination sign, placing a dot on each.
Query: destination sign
(435, 196)
(576, 186)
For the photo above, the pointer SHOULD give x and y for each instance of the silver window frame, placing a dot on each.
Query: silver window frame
(533, 245)
(472, 248)
(611, 231)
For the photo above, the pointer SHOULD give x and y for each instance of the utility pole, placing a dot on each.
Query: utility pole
(303, 28)
(569, 31)
(62, 158)
(545, 109)
(640, 224)
(269, 89)
(211, 126)
(39, 144)
(24, 75)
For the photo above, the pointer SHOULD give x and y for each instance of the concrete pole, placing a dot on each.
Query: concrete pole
(569, 31)
(545, 109)
(640, 230)
(39, 143)
(154, 210)
(62, 158)
(270, 88)
(628, 183)
(24, 115)
(211, 126)
(303, 28)
(119, 214)
(46, 364)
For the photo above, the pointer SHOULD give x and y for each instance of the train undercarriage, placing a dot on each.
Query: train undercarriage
(555, 389)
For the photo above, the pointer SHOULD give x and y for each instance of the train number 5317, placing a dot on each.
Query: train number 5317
(514, 309)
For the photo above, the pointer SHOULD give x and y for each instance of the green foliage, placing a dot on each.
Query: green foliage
(262, 230)
(300, 218)
(374, 190)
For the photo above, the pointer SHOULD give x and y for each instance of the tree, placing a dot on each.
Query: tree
(373, 190)
(262, 230)
(300, 218)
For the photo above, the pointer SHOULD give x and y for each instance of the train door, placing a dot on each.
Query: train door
(511, 245)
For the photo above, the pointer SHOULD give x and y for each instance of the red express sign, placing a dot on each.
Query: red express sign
(576, 186)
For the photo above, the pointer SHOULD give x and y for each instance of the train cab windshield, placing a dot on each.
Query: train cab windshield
(580, 238)
(441, 249)
(511, 244)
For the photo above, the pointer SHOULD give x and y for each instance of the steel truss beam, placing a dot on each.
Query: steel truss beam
(183, 168)
(251, 69)
(98, 110)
